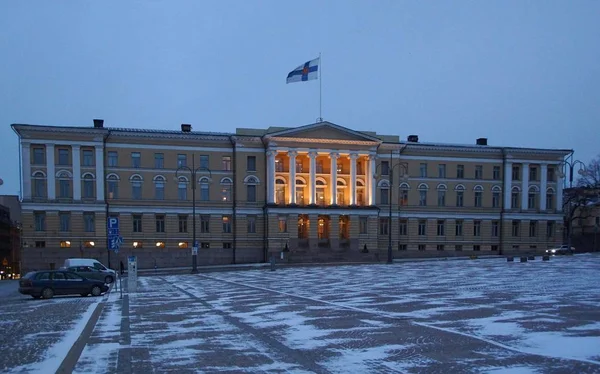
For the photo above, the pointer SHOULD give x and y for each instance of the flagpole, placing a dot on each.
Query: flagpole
(320, 89)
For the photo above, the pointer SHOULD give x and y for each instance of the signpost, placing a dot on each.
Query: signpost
(114, 238)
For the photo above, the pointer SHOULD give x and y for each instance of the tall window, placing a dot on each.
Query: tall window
(495, 198)
(476, 228)
(550, 174)
(441, 200)
(459, 228)
(183, 223)
(226, 185)
(478, 171)
(159, 160)
(89, 222)
(550, 198)
(460, 196)
(532, 229)
(251, 189)
(159, 188)
(533, 173)
(550, 229)
(423, 194)
(251, 220)
(384, 226)
(182, 188)
(112, 183)
(303, 226)
(204, 189)
(460, 171)
(226, 162)
(64, 185)
(441, 227)
(423, 170)
(515, 198)
(136, 187)
(137, 222)
(531, 198)
(496, 173)
(422, 227)
(160, 222)
(403, 227)
(226, 224)
(88, 186)
(88, 157)
(495, 229)
(385, 168)
(282, 223)
(39, 156)
(363, 225)
(442, 171)
(181, 160)
(65, 221)
(516, 228)
(204, 224)
(39, 185)
(136, 160)
(384, 193)
(516, 173)
(40, 221)
(204, 161)
(478, 196)
(113, 159)
(251, 163)
(63, 157)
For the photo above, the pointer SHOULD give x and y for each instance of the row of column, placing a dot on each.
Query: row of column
(334, 156)
(525, 186)
(51, 171)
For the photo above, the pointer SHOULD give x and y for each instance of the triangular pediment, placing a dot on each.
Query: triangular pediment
(323, 130)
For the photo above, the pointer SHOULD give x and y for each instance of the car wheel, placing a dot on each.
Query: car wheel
(47, 293)
(108, 279)
(96, 291)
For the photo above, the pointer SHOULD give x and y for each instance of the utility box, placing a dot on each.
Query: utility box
(132, 273)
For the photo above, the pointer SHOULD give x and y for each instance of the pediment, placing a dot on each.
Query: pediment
(323, 131)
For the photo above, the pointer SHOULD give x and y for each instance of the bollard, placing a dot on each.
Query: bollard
(523, 259)
(272, 262)
(546, 258)
(531, 258)
(510, 259)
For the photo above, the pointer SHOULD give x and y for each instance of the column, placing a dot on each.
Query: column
(313, 177)
(76, 156)
(525, 186)
(99, 174)
(543, 187)
(334, 157)
(559, 188)
(353, 157)
(51, 172)
(292, 155)
(372, 178)
(507, 189)
(271, 176)
(26, 165)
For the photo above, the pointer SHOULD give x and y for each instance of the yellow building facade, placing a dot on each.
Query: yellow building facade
(323, 191)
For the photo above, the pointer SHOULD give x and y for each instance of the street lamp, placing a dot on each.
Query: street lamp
(193, 172)
(570, 165)
(404, 176)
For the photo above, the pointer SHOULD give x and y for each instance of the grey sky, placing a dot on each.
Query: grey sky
(522, 73)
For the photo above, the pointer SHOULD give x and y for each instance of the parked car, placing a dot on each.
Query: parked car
(562, 250)
(47, 283)
(107, 276)
(70, 262)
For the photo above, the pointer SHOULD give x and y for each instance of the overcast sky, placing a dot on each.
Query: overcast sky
(521, 73)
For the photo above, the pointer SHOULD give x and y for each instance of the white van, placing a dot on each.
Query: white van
(70, 262)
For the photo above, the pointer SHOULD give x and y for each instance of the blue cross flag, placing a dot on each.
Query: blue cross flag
(305, 72)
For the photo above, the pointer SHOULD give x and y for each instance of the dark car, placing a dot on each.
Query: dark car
(47, 283)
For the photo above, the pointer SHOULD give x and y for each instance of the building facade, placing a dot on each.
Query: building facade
(323, 191)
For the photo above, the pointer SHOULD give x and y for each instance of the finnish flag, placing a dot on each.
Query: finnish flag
(305, 72)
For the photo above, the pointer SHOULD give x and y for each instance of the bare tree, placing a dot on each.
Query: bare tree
(590, 176)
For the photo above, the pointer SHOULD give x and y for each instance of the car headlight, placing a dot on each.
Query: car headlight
(554, 251)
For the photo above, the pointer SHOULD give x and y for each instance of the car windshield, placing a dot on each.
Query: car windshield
(30, 275)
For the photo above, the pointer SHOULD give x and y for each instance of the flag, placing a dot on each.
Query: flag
(305, 72)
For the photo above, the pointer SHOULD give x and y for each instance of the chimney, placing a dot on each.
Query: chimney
(413, 138)
(98, 123)
(185, 127)
(482, 141)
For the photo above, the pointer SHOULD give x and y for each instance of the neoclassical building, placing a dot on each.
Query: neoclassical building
(323, 191)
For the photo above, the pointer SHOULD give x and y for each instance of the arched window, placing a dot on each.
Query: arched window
(112, 184)
(384, 192)
(441, 190)
(39, 184)
(182, 188)
(204, 189)
(496, 196)
(64, 184)
(423, 188)
(136, 186)
(550, 198)
(515, 198)
(226, 186)
(251, 182)
(159, 187)
(360, 192)
(478, 196)
(280, 184)
(403, 195)
(300, 186)
(88, 185)
(532, 197)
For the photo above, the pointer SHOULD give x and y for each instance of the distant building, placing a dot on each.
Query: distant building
(10, 241)
(322, 190)
(585, 216)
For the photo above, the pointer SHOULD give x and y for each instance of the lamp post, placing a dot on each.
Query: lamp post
(570, 166)
(193, 171)
(404, 175)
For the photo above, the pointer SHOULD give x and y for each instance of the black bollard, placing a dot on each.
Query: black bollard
(523, 259)
(510, 259)
(272, 262)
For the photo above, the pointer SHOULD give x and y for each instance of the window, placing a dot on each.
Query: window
(182, 188)
(251, 220)
(88, 186)
(422, 247)
(226, 189)
(136, 160)
(402, 247)
(442, 171)
(226, 245)
(183, 223)
(459, 228)
(112, 183)
(39, 156)
(403, 196)
(516, 226)
(550, 199)
(65, 244)
(458, 247)
(550, 174)
(251, 193)
(282, 223)
(89, 222)
(159, 160)
(251, 163)
(363, 225)
(496, 173)
(440, 247)
(204, 189)
(441, 227)
(160, 222)
(441, 196)
(159, 188)
(160, 244)
(422, 227)
(384, 193)
(204, 161)
(494, 248)
(515, 198)
(533, 174)
(531, 198)
(476, 228)
(516, 173)
(460, 196)
(183, 245)
(39, 185)
(88, 157)
(226, 224)
(403, 227)
(495, 229)
(137, 223)
(385, 168)
(423, 195)
(532, 229)
(113, 159)
(64, 186)
(181, 160)
(423, 170)
(460, 171)
(65, 221)
(478, 196)
(477, 247)
(226, 162)
(204, 245)
(63, 156)
(299, 167)
(478, 171)
(384, 226)
(496, 199)
(204, 224)
(279, 166)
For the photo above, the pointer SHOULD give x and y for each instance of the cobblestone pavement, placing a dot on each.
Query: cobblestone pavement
(445, 316)
(30, 329)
